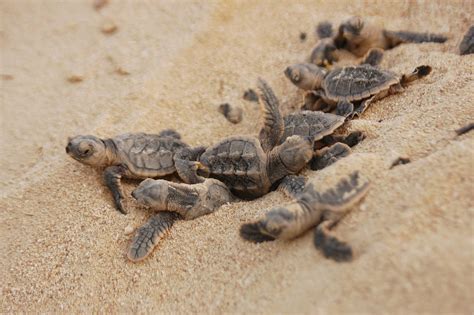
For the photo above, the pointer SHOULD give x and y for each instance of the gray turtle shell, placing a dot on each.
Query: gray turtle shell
(311, 124)
(240, 163)
(148, 155)
(357, 82)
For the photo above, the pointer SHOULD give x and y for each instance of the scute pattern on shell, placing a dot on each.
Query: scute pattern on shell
(312, 124)
(357, 83)
(238, 162)
(149, 154)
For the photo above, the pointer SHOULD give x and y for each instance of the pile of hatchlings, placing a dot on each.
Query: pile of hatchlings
(248, 167)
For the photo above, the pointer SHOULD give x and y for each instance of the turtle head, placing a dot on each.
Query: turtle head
(89, 150)
(279, 222)
(152, 193)
(306, 76)
(324, 53)
(295, 153)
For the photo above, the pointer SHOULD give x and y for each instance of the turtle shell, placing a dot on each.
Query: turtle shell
(357, 83)
(311, 124)
(148, 155)
(240, 163)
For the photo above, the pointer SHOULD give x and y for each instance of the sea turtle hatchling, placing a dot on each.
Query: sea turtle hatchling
(349, 86)
(131, 155)
(325, 53)
(358, 36)
(173, 201)
(322, 209)
(248, 165)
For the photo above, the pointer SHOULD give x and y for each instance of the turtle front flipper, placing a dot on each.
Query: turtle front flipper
(292, 185)
(112, 177)
(394, 39)
(464, 129)
(330, 246)
(327, 156)
(344, 108)
(466, 46)
(365, 103)
(149, 234)
(272, 128)
(373, 57)
(187, 165)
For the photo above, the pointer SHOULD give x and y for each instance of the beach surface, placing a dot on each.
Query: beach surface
(66, 71)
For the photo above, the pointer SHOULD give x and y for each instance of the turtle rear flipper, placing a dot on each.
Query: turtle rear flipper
(272, 128)
(292, 185)
(402, 37)
(331, 247)
(187, 165)
(418, 73)
(149, 234)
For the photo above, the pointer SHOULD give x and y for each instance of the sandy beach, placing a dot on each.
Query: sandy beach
(169, 64)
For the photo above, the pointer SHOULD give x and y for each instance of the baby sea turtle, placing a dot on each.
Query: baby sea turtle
(131, 155)
(467, 44)
(248, 165)
(320, 126)
(311, 208)
(349, 86)
(173, 201)
(358, 36)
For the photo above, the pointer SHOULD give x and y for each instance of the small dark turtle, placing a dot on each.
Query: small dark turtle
(344, 87)
(231, 112)
(248, 165)
(174, 201)
(358, 36)
(311, 208)
(320, 126)
(467, 44)
(131, 155)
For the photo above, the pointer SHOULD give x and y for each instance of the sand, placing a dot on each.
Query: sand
(169, 65)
